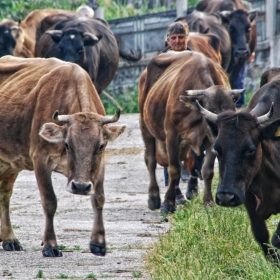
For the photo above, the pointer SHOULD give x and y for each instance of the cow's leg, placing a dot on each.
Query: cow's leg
(208, 174)
(9, 240)
(97, 243)
(150, 160)
(49, 203)
(258, 225)
(174, 172)
(276, 243)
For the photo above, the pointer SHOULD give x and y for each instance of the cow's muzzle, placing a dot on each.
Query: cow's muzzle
(228, 199)
(241, 54)
(81, 188)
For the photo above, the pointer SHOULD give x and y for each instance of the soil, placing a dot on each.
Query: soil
(130, 226)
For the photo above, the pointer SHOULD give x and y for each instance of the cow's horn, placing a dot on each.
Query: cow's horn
(61, 118)
(237, 91)
(54, 32)
(267, 116)
(113, 119)
(207, 114)
(195, 92)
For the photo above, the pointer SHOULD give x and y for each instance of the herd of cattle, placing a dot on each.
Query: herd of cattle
(54, 120)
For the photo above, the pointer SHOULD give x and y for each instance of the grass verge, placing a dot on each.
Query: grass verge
(210, 243)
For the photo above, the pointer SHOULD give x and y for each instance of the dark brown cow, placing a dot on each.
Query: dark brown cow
(211, 24)
(270, 75)
(241, 29)
(249, 161)
(168, 127)
(212, 6)
(31, 89)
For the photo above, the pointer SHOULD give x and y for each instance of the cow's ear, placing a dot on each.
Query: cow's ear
(225, 17)
(271, 131)
(113, 132)
(213, 127)
(52, 132)
(56, 35)
(90, 39)
(253, 15)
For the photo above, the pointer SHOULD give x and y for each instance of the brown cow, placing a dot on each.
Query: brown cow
(25, 32)
(168, 127)
(31, 89)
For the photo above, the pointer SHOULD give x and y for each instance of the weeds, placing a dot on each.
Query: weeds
(40, 274)
(137, 274)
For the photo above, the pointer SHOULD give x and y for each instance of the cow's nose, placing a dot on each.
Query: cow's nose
(80, 188)
(226, 199)
(241, 53)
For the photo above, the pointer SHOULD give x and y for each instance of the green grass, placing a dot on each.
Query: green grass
(137, 274)
(91, 276)
(210, 243)
(40, 274)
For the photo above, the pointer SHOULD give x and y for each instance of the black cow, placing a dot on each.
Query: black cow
(85, 41)
(7, 38)
(249, 161)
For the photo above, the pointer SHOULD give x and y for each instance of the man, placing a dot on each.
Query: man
(177, 37)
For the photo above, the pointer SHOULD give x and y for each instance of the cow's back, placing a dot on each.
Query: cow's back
(167, 77)
(31, 90)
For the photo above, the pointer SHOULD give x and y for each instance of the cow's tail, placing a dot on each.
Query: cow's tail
(130, 56)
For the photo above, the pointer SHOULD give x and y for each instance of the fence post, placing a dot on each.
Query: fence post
(270, 18)
(181, 7)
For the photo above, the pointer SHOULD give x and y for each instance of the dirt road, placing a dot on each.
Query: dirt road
(130, 226)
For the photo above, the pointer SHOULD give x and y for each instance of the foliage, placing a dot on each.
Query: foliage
(137, 274)
(127, 99)
(210, 243)
(18, 9)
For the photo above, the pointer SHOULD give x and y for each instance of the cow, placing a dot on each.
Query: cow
(88, 42)
(241, 28)
(270, 75)
(169, 128)
(24, 32)
(52, 119)
(9, 31)
(212, 6)
(248, 155)
(206, 23)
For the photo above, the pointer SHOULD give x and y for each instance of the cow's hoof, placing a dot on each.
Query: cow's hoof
(97, 250)
(12, 246)
(51, 253)
(154, 204)
(166, 209)
(210, 203)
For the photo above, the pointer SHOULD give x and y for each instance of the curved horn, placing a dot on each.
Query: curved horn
(54, 32)
(61, 118)
(267, 116)
(195, 92)
(237, 91)
(207, 114)
(115, 118)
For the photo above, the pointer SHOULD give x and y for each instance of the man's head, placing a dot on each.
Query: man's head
(177, 35)
(86, 11)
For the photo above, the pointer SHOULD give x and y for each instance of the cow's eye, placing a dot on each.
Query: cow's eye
(66, 146)
(251, 151)
(101, 148)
